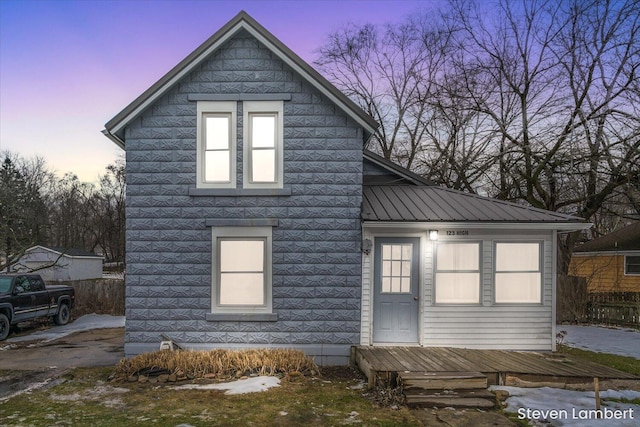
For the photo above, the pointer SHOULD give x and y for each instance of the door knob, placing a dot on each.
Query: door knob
(415, 298)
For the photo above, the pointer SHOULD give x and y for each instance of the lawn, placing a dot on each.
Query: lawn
(621, 363)
(87, 397)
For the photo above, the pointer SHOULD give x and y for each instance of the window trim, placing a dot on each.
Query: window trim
(626, 273)
(478, 271)
(205, 108)
(258, 107)
(540, 270)
(239, 233)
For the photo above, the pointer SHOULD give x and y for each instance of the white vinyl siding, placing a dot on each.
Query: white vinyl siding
(488, 325)
(216, 144)
(485, 325)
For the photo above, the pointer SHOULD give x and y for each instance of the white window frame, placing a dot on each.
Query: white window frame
(205, 108)
(478, 271)
(262, 107)
(241, 233)
(626, 273)
(539, 271)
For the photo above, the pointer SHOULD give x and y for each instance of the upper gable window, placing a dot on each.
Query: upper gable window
(216, 139)
(263, 144)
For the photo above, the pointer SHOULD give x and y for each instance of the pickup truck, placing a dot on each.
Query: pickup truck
(25, 297)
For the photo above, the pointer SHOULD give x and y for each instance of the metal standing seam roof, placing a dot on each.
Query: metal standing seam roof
(407, 203)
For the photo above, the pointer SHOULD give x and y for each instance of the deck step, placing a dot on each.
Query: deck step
(443, 380)
(443, 401)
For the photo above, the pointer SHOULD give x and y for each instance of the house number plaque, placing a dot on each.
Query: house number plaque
(457, 232)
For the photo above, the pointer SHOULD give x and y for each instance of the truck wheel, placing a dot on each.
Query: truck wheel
(62, 318)
(4, 327)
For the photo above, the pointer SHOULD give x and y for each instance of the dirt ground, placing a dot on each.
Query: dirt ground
(99, 347)
(32, 364)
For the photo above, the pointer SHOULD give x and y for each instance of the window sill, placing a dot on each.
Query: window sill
(241, 317)
(518, 304)
(238, 192)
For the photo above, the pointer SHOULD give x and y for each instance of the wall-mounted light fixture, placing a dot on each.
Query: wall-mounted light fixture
(433, 234)
(367, 244)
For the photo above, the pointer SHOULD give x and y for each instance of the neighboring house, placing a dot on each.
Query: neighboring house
(66, 264)
(256, 219)
(610, 263)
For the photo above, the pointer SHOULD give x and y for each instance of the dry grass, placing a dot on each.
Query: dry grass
(220, 363)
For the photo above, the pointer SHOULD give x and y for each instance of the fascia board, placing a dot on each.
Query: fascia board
(310, 78)
(561, 227)
(157, 93)
(606, 253)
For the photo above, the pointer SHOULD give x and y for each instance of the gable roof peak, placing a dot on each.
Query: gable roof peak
(114, 128)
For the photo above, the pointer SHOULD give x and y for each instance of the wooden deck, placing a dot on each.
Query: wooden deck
(384, 363)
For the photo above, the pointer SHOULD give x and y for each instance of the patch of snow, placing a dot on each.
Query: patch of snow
(558, 407)
(250, 385)
(7, 347)
(620, 341)
(28, 389)
(84, 323)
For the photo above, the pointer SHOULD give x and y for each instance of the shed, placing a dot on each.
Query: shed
(67, 264)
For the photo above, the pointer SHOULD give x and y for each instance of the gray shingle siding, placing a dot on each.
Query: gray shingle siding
(316, 245)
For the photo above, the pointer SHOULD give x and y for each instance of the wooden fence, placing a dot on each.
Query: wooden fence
(614, 308)
(100, 296)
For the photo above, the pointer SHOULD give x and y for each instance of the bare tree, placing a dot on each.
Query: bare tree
(390, 72)
(563, 79)
(110, 212)
(23, 209)
(533, 101)
(72, 214)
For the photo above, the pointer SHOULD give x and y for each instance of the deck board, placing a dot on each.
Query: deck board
(391, 360)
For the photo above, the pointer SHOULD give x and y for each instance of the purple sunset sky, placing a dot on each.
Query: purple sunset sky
(67, 67)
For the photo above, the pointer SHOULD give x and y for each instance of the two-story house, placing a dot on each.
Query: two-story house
(255, 218)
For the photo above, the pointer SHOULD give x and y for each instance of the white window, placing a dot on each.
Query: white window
(457, 278)
(632, 265)
(241, 269)
(216, 139)
(518, 277)
(263, 144)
